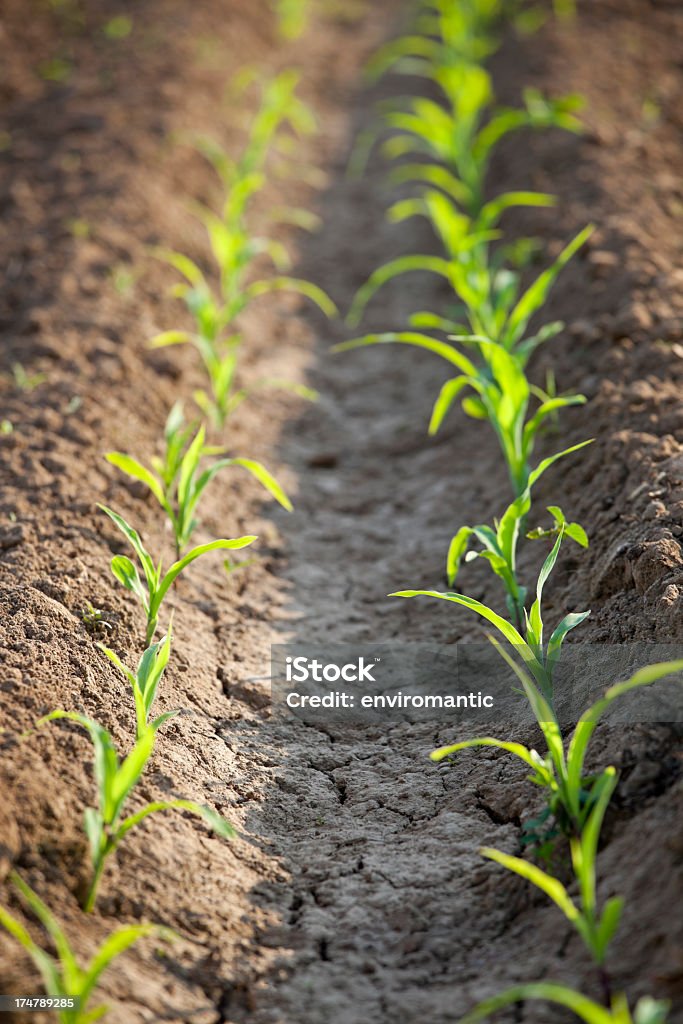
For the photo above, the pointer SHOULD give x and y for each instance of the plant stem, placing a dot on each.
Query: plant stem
(606, 986)
(151, 629)
(89, 904)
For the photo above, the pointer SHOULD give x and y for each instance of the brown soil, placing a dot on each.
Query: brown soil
(356, 892)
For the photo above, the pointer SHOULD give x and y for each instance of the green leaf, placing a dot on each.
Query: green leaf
(188, 467)
(543, 881)
(94, 830)
(449, 392)
(546, 463)
(265, 478)
(202, 549)
(167, 338)
(590, 718)
(133, 538)
(214, 820)
(433, 174)
(71, 973)
(487, 741)
(112, 947)
(115, 660)
(492, 211)
(651, 1011)
(584, 849)
(573, 530)
(44, 963)
(139, 472)
(130, 771)
(439, 348)
(541, 708)
(584, 1008)
(568, 623)
(456, 550)
(504, 627)
(389, 54)
(536, 615)
(386, 273)
(127, 574)
(532, 426)
(536, 295)
(292, 284)
(184, 265)
(475, 408)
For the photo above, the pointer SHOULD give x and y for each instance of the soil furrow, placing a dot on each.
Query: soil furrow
(356, 892)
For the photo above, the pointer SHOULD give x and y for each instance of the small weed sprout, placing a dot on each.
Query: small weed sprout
(93, 619)
(63, 977)
(145, 682)
(116, 780)
(157, 583)
(292, 17)
(179, 479)
(26, 381)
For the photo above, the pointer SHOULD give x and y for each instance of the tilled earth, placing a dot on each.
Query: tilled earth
(355, 893)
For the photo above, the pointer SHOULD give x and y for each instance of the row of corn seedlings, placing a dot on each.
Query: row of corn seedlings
(442, 150)
(178, 479)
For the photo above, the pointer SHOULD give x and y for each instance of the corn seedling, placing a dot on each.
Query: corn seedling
(497, 319)
(596, 928)
(152, 592)
(647, 1010)
(500, 544)
(454, 144)
(179, 479)
(116, 780)
(444, 34)
(236, 253)
(145, 682)
(571, 795)
(528, 642)
(63, 977)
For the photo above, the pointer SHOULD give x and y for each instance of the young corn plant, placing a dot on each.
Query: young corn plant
(179, 480)
(596, 928)
(528, 642)
(157, 583)
(500, 542)
(105, 824)
(497, 315)
(63, 977)
(444, 34)
(238, 255)
(454, 144)
(646, 1011)
(145, 682)
(571, 794)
